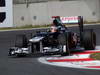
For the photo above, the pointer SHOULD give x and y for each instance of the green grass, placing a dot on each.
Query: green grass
(91, 22)
(95, 56)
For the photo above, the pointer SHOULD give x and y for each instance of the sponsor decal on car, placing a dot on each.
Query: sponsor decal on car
(73, 19)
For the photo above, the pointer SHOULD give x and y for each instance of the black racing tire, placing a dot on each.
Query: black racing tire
(62, 40)
(89, 39)
(21, 41)
(35, 47)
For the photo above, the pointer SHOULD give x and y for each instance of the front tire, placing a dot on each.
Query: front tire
(62, 40)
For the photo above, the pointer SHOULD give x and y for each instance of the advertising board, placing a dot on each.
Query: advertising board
(6, 15)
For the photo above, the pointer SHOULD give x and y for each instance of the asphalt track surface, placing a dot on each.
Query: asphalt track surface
(30, 65)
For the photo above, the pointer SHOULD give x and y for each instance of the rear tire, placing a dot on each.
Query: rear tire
(89, 40)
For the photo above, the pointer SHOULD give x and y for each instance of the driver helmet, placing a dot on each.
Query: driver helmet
(54, 29)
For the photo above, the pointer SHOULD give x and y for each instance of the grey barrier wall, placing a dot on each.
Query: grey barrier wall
(41, 13)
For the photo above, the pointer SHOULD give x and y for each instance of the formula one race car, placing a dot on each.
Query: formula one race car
(58, 40)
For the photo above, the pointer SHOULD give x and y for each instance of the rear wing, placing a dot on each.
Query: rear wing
(69, 20)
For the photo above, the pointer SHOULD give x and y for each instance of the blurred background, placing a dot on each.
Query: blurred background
(39, 12)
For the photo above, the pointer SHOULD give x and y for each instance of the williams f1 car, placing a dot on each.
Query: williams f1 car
(58, 40)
